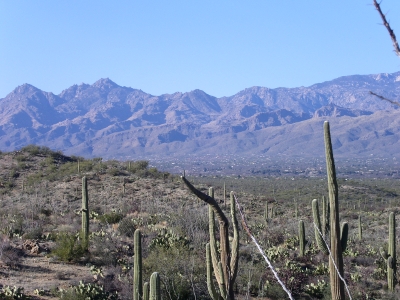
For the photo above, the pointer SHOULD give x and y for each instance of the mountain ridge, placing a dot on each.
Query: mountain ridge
(108, 120)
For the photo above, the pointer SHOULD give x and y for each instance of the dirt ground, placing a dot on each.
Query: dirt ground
(40, 271)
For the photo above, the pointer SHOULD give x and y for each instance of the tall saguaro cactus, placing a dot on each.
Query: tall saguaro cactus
(337, 286)
(137, 266)
(85, 213)
(390, 255)
(226, 265)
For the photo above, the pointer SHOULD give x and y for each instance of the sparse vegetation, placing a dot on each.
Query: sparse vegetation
(43, 205)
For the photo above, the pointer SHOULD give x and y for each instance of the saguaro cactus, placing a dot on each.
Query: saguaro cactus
(146, 291)
(137, 265)
(85, 214)
(317, 221)
(325, 216)
(390, 255)
(337, 286)
(225, 267)
(344, 233)
(359, 228)
(266, 212)
(302, 238)
(155, 291)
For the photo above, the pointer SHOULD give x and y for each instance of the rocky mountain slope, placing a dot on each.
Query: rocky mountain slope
(105, 119)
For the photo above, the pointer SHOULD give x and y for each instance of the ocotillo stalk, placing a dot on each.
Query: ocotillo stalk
(85, 213)
(302, 238)
(155, 289)
(337, 286)
(137, 265)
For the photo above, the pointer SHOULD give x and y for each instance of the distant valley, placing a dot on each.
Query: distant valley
(114, 122)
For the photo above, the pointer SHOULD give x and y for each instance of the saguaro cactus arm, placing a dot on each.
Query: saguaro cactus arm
(213, 243)
(209, 200)
(210, 285)
(155, 289)
(146, 291)
(317, 221)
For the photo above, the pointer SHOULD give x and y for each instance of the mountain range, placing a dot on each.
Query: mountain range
(112, 121)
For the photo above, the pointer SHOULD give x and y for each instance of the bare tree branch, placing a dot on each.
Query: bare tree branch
(389, 29)
(383, 98)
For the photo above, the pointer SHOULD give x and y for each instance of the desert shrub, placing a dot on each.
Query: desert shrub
(33, 233)
(110, 218)
(46, 211)
(15, 225)
(113, 172)
(14, 173)
(168, 240)
(104, 251)
(318, 290)
(68, 247)
(139, 165)
(20, 157)
(9, 255)
(31, 149)
(176, 273)
(9, 293)
(127, 227)
(85, 291)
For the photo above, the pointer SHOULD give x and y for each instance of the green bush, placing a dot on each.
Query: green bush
(68, 247)
(111, 218)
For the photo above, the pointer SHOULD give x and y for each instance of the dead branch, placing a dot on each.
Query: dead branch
(389, 29)
(385, 99)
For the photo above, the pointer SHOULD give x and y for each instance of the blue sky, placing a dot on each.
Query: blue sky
(217, 46)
